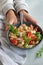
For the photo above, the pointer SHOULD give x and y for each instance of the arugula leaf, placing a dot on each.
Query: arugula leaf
(15, 31)
(38, 35)
(11, 28)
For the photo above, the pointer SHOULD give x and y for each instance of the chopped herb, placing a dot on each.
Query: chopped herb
(39, 54)
(27, 40)
(26, 45)
(24, 35)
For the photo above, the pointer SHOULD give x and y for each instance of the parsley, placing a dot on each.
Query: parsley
(15, 31)
(38, 35)
(39, 54)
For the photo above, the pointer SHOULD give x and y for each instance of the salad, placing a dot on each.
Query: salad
(24, 36)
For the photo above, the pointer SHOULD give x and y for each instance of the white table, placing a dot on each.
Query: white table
(36, 10)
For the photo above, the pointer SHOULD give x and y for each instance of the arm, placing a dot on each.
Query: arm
(8, 11)
(7, 5)
(21, 5)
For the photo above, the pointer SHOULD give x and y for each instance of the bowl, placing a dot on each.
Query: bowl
(27, 23)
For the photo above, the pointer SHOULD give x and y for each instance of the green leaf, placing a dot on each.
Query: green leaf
(38, 35)
(15, 31)
(24, 35)
(27, 40)
(39, 54)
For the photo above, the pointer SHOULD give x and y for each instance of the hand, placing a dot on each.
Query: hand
(11, 17)
(27, 17)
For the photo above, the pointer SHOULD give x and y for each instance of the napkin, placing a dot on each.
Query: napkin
(10, 55)
(5, 59)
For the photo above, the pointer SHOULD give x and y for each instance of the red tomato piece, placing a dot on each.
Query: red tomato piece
(14, 41)
(30, 42)
(33, 37)
(29, 34)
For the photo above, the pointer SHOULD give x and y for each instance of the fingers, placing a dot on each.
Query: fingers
(12, 21)
(27, 17)
(31, 19)
(11, 17)
(24, 19)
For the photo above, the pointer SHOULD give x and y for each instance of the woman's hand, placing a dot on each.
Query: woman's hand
(27, 17)
(11, 17)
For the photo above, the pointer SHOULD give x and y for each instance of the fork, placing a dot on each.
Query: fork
(21, 18)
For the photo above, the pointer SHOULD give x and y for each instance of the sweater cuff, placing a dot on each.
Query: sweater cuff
(21, 7)
(7, 7)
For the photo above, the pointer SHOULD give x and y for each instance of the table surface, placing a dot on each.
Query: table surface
(35, 10)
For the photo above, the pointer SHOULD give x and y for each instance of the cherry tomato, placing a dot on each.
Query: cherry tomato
(14, 41)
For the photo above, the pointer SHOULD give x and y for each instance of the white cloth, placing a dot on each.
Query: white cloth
(4, 58)
(15, 56)
(5, 5)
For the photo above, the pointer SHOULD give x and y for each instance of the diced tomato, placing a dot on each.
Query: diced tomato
(14, 41)
(33, 37)
(29, 34)
(30, 42)
(36, 28)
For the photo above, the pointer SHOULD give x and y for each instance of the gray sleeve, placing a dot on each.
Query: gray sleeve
(21, 5)
(7, 6)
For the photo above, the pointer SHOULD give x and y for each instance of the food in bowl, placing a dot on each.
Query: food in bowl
(24, 36)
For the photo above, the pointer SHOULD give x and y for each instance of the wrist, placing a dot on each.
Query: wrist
(10, 11)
